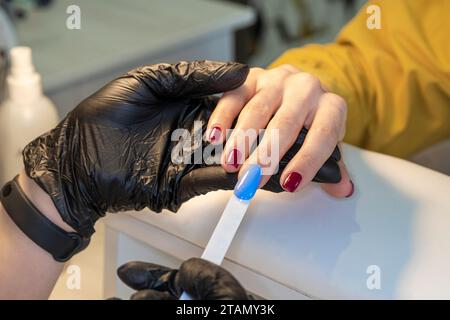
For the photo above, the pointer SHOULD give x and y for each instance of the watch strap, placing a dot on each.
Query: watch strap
(62, 245)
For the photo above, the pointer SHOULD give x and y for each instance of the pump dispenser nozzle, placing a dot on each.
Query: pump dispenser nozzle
(24, 82)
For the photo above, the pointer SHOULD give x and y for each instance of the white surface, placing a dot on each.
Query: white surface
(309, 243)
(129, 239)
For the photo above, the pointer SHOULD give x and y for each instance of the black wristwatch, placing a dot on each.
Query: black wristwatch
(62, 245)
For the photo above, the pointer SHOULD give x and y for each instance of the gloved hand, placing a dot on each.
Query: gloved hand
(113, 151)
(201, 279)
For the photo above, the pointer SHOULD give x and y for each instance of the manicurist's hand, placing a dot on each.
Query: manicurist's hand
(288, 100)
(201, 279)
(115, 150)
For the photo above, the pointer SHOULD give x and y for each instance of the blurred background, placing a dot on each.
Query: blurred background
(117, 35)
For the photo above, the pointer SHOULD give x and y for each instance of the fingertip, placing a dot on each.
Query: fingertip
(214, 134)
(232, 160)
(291, 181)
(221, 76)
(345, 188)
(264, 179)
(352, 189)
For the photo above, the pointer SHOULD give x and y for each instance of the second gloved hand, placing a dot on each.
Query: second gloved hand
(201, 279)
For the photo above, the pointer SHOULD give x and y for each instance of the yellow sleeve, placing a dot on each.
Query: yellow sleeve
(396, 80)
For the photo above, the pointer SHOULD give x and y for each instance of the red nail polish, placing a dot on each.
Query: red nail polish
(352, 190)
(214, 135)
(234, 158)
(292, 181)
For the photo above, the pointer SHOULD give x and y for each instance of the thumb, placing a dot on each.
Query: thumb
(193, 79)
(206, 179)
(344, 188)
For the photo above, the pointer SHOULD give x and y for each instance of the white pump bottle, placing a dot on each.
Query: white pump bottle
(24, 115)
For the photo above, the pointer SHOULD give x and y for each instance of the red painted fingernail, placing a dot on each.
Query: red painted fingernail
(234, 157)
(214, 135)
(352, 190)
(292, 181)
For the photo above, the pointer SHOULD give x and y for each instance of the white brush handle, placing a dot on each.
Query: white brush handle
(224, 233)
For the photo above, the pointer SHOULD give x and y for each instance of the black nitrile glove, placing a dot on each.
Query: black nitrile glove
(201, 279)
(113, 151)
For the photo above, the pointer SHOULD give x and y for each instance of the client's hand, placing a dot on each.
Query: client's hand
(285, 100)
(201, 279)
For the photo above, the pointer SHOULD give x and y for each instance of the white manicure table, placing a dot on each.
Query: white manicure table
(390, 240)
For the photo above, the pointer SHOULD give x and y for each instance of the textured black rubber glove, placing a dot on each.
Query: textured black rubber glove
(113, 151)
(201, 279)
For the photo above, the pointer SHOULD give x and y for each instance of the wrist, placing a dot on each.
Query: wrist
(42, 201)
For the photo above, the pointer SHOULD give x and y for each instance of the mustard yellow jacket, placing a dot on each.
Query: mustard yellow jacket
(396, 80)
